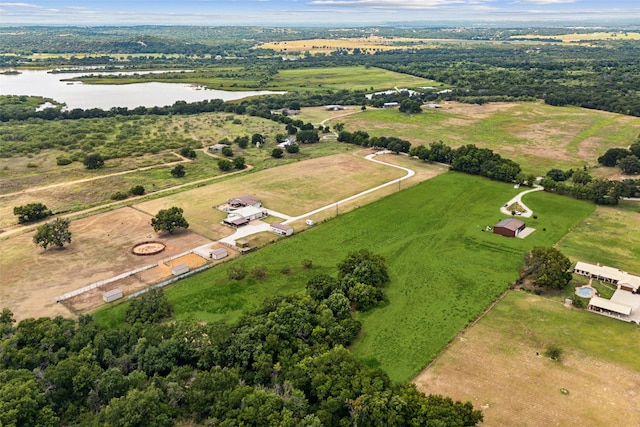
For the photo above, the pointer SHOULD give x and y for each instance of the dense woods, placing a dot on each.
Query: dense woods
(284, 365)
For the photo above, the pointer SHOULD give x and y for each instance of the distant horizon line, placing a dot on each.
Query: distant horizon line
(585, 24)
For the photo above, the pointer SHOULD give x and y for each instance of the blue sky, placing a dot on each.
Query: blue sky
(316, 12)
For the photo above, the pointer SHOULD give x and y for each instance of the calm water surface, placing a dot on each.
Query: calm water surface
(79, 95)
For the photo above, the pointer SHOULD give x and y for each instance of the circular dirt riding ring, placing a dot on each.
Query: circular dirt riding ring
(148, 248)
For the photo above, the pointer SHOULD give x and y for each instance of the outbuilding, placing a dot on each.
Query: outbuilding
(281, 229)
(509, 227)
(244, 201)
(179, 269)
(218, 253)
(112, 295)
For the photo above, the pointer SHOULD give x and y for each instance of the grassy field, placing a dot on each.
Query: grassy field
(538, 136)
(577, 37)
(499, 366)
(609, 236)
(307, 79)
(338, 78)
(444, 269)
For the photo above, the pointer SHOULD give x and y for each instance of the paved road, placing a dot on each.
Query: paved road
(518, 199)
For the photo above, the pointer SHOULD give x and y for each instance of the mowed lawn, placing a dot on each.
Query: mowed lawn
(499, 365)
(537, 136)
(444, 269)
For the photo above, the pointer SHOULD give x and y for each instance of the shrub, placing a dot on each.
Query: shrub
(225, 165)
(178, 171)
(119, 195)
(138, 190)
(276, 153)
(553, 352)
(63, 161)
(259, 272)
(93, 161)
(307, 264)
(292, 148)
(227, 151)
(188, 152)
(237, 272)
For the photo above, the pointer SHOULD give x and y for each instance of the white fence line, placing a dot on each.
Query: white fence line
(170, 281)
(124, 275)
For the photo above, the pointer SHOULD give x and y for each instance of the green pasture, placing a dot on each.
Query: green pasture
(539, 322)
(537, 136)
(307, 79)
(347, 78)
(445, 270)
(609, 236)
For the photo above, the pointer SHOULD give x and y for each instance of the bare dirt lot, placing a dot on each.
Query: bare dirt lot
(31, 278)
(515, 384)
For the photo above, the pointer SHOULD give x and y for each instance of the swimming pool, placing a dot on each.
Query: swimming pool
(585, 292)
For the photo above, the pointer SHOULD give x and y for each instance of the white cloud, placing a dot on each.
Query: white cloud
(396, 4)
(542, 2)
(20, 5)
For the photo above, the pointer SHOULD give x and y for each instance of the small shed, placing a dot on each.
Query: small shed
(390, 104)
(218, 253)
(281, 229)
(509, 227)
(179, 269)
(112, 295)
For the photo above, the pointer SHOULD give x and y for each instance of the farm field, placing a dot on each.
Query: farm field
(537, 136)
(495, 366)
(292, 189)
(101, 242)
(578, 37)
(308, 79)
(351, 78)
(100, 249)
(368, 44)
(608, 236)
(444, 269)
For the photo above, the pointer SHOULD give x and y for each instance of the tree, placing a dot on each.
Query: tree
(307, 136)
(138, 190)
(630, 165)
(635, 148)
(292, 148)
(178, 171)
(31, 212)
(410, 106)
(225, 165)
(556, 175)
(548, 267)
(239, 162)
(256, 138)
(93, 161)
(188, 152)
(169, 219)
(242, 141)
(227, 152)
(150, 307)
(612, 156)
(276, 153)
(53, 233)
(581, 177)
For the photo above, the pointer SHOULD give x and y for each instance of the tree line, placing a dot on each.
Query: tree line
(286, 364)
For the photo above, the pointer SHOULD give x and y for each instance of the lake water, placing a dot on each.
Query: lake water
(79, 95)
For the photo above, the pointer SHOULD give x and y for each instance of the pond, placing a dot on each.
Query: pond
(78, 95)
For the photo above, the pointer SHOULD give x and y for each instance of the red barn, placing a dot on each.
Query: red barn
(509, 227)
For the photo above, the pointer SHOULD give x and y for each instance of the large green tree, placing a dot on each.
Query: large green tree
(54, 233)
(93, 161)
(31, 212)
(630, 165)
(548, 267)
(169, 219)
